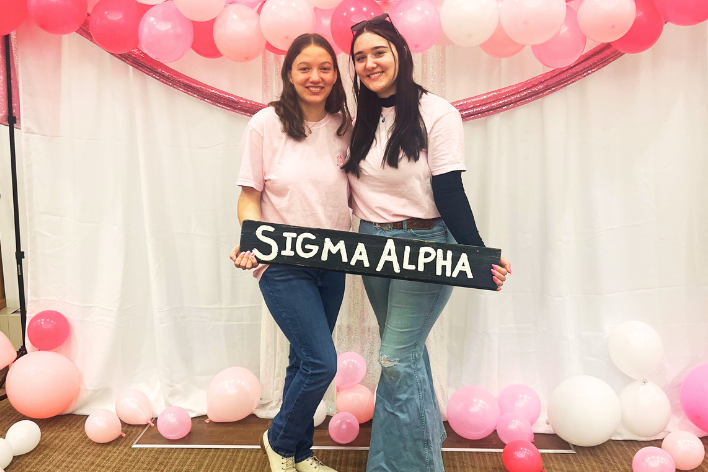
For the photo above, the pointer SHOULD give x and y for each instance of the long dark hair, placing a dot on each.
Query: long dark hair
(408, 133)
(288, 106)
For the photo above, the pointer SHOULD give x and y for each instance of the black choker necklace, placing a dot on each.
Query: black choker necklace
(388, 102)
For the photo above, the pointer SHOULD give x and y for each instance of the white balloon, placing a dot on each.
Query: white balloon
(200, 10)
(636, 349)
(646, 410)
(469, 22)
(5, 453)
(23, 436)
(325, 4)
(320, 414)
(584, 411)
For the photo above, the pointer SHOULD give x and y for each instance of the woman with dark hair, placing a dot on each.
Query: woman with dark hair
(404, 165)
(290, 174)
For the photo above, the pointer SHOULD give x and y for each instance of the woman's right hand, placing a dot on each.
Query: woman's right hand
(243, 260)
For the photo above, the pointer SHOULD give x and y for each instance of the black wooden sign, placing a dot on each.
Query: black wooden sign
(396, 258)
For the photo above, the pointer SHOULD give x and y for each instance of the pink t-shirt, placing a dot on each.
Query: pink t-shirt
(387, 195)
(301, 182)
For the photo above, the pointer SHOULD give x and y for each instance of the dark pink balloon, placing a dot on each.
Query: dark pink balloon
(645, 31)
(565, 47)
(58, 16)
(347, 14)
(203, 43)
(683, 12)
(694, 395)
(114, 25)
(14, 13)
(48, 330)
(522, 456)
(269, 47)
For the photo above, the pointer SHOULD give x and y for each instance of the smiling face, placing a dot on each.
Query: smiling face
(313, 75)
(376, 63)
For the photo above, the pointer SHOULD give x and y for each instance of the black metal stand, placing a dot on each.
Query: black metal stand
(19, 254)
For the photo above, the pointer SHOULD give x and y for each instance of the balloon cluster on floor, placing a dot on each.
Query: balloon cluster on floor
(21, 438)
(556, 30)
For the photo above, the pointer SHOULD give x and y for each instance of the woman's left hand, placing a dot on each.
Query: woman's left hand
(500, 272)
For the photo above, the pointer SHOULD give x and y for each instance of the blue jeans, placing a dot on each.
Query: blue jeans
(407, 432)
(305, 304)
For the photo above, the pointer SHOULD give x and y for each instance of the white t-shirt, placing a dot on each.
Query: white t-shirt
(387, 195)
(301, 182)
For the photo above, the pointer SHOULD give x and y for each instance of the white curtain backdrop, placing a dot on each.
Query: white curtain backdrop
(598, 195)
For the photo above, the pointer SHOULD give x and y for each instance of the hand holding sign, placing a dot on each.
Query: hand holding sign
(499, 273)
(243, 260)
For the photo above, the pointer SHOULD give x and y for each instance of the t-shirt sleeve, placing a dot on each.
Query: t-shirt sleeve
(251, 173)
(446, 144)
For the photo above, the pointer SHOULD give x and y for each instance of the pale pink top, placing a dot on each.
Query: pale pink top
(386, 195)
(301, 182)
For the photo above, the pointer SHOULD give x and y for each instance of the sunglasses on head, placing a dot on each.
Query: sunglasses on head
(374, 21)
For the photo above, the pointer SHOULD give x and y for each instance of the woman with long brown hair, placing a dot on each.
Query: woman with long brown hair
(290, 174)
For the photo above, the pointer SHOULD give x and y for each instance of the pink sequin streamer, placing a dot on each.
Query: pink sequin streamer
(168, 76)
(538, 87)
(3, 82)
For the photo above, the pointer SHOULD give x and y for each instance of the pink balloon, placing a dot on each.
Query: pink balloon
(683, 12)
(114, 25)
(165, 34)
(520, 398)
(500, 44)
(323, 27)
(653, 459)
(14, 13)
(7, 351)
(237, 33)
(48, 330)
(102, 426)
(694, 392)
(351, 369)
(418, 22)
(42, 384)
(133, 407)
(473, 412)
(269, 47)
(203, 43)
(232, 394)
(284, 20)
(174, 423)
(514, 426)
(200, 10)
(343, 428)
(606, 20)
(347, 14)
(522, 456)
(685, 449)
(532, 21)
(645, 32)
(357, 400)
(58, 16)
(565, 47)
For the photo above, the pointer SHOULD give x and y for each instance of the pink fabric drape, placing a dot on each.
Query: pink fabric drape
(3, 82)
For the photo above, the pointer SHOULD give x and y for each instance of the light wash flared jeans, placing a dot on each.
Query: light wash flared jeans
(407, 430)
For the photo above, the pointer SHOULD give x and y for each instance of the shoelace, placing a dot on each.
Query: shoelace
(288, 463)
(317, 462)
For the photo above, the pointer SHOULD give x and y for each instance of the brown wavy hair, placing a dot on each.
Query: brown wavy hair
(288, 106)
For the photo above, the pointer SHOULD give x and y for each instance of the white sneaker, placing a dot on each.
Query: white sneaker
(277, 462)
(312, 464)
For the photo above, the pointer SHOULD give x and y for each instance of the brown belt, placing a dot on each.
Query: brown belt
(410, 223)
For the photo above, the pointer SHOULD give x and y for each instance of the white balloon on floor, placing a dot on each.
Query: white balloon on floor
(6, 453)
(636, 349)
(23, 436)
(646, 410)
(584, 411)
(320, 414)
